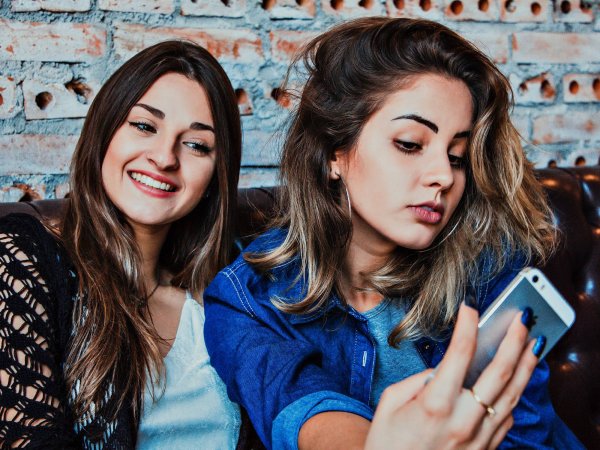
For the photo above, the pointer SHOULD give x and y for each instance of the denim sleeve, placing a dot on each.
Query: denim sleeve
(289, 421)
(265, 365)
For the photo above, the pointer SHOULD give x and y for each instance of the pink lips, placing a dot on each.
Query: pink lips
(429, 212)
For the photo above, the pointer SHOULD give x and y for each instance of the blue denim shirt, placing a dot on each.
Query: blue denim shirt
(285, 368)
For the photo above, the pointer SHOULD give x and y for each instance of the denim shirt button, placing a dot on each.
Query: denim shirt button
(427, 346)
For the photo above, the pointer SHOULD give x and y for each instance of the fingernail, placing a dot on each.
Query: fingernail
(539, 345)
(527, 317)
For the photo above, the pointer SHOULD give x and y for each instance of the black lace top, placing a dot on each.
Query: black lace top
(38, 288)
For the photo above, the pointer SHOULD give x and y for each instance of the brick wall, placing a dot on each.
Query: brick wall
(54, 54)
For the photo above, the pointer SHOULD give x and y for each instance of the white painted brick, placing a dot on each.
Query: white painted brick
(561, 48)
(236, 45)
(214, 8)
(8, 97)
(260, 148)
(572, 127)
(145, 6)
(581, 87)
(64, 103)
(426, 9)
(291, 9)
(35, 154)
(51, 5)
(258, 177)
(493, 44)
(70, 42)
(11, 194)
(525, 10)
(285, 44)
(61, 190)
(591, 156)
(542, 158)
(572, 11)
(537, 89)
(348, 9)
(483, 10)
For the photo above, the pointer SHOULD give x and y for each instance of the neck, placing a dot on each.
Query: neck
(150, 241)
(361, 260)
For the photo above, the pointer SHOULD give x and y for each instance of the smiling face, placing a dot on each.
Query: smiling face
(406, 175)
(160, 161)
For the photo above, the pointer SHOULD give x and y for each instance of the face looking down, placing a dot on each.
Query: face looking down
(161, 159)
(406, 175)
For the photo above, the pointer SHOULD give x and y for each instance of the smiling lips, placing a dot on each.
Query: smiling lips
(429, 212)
(154, 185)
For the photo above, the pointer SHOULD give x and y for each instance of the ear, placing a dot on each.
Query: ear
(335, 166)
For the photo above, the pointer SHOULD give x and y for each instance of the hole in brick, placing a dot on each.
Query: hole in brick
(281, 97)
(585, 7)
(596, 87)
(456, 7)
(536, 8)
(225, 2)
(425, 5)
(580, 161)
(399, 4)
(302, 2)
(523, 88)
(81, 90)
(1, 100)
(268, 4)
(552, 163)
(241, 95)
(367, 4)
(483, 5)
(43, 99)
(510, 6)
(546, 89)
(337, 4)
(574, 87)
(565, 7)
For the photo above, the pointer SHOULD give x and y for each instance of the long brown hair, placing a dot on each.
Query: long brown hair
(115, 344)
(350, 71)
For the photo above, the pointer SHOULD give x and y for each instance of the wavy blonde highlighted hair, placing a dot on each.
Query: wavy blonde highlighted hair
(351, 69)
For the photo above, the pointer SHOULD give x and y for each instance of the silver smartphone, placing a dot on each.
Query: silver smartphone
(552, 317)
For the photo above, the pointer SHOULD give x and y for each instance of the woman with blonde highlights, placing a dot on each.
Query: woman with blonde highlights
(101, 328)
(407, 206)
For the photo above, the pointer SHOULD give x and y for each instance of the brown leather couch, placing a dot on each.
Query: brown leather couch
(574, 194)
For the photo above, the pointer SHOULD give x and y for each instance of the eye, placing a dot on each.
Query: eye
(143, 127)
(407, 146)
(198, 147)
(459, 162)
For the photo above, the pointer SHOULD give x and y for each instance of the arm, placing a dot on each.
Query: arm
(31, 412)
(268, 367)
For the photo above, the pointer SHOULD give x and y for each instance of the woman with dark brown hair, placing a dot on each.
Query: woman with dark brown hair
(101, 324)
(407, 206)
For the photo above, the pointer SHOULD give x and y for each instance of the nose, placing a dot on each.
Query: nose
(163, 154)
(438, 171)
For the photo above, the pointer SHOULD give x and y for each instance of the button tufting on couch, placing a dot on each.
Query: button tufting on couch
(574, 194)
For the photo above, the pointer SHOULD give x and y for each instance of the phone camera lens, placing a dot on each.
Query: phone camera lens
(535, 278)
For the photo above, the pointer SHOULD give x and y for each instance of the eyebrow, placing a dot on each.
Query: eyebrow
(432, 126)
(197, 126)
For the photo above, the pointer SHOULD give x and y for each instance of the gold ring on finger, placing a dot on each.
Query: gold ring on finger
(490, 411)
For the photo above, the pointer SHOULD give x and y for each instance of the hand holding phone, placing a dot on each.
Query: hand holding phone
(552, 317)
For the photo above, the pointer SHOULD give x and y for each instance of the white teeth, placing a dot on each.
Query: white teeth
(144, 179)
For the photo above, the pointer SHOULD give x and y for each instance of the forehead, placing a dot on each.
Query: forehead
(434, 97)
(179, 95)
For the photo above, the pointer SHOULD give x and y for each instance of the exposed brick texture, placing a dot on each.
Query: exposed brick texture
(62, 42)
(55, 54)
(227, 45)
(38, 154)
